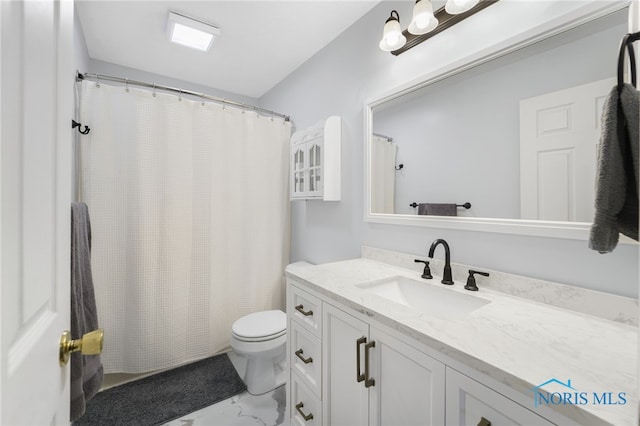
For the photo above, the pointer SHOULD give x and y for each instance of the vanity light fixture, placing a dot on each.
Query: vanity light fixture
(392, 38)
(190, 32)
(425, 23)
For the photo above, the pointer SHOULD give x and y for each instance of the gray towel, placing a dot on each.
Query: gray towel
(86, 370)
(436, 209)
(616, 204)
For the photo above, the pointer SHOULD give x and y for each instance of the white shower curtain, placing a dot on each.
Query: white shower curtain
(383, 175)
(190, 218)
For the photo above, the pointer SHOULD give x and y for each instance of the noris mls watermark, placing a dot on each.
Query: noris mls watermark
(566, 394)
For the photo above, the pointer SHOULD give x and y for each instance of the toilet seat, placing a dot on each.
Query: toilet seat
(260, 326)
(261, 338)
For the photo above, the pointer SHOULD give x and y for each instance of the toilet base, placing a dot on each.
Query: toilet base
(263, 375)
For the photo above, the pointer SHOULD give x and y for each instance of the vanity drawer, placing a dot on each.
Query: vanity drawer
(306, 357)
(306, 310)
(306, 408)
(472, 403)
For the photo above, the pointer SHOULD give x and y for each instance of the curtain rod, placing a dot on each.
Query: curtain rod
(97, 77)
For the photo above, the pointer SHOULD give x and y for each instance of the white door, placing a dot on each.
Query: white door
(345, 399)
(559, 136)
(36, 88)
(409, 385)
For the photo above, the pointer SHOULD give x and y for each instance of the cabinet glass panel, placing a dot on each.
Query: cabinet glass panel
(315, 156)
(312, 180)
(316, 180)
(298, 182)
(298, 163)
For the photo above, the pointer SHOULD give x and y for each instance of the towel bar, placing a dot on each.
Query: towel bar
(466, 205)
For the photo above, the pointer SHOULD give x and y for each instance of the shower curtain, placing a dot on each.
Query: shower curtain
(383, 175)
(190, 221)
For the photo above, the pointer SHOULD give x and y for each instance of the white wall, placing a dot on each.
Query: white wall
(351, 70)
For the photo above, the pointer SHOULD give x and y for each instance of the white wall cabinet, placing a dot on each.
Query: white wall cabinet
(347, 369)
(315, 161)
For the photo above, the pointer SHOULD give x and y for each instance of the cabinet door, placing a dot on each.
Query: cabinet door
(314, 177)
(298, 171)
(345, 399)
(472, 403)
(409, 385)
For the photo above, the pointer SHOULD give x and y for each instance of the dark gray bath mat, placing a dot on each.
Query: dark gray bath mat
(165, 396)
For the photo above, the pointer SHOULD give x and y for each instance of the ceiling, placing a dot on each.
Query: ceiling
(261, 42)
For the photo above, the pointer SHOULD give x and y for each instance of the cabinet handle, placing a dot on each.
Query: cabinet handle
(359, 376)
(484, 422)
(306, 417)
(302, 311)
(368, 381)
(305, 360)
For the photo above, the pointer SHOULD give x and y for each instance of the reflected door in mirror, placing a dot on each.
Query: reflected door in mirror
(559, 134)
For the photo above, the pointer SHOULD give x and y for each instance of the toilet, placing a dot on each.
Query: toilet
(261, 337)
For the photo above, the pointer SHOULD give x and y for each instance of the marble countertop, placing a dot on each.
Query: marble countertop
(515, 341)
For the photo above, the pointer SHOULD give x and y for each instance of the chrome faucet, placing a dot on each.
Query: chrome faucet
(446, 275)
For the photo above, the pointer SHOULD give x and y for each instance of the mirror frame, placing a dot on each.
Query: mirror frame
(567, 230)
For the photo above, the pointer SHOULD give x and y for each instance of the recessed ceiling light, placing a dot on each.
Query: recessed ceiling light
(190, 32)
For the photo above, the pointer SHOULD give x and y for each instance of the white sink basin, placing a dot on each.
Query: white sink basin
(441, 302)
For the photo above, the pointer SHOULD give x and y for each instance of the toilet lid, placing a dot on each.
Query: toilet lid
(260, 324)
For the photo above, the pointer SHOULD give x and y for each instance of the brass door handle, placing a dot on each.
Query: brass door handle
(89, 344)
(359, 376)
(306, 417)
(300, 309)
(305, 360)
(368, 382)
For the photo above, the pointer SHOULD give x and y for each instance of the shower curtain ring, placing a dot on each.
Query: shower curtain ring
(180, 95)
(224, 104)
(98, 80)
(202, 96)
(126, 85)
(154, 90)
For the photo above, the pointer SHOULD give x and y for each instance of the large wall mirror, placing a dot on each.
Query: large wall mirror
(514, 137)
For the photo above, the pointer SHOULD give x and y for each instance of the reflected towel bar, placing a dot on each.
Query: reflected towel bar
(466, 205)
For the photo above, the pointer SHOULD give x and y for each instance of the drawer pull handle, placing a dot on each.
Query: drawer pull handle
(306, 417)
(300, 309)
(359, 375)
(368, 382)
(484, 422)
(305, 360)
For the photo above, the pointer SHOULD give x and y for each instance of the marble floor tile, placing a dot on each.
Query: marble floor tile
(241, 410)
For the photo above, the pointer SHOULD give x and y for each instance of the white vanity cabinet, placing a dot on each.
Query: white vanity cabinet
(368, 376)
(471, 403)
(346, 368)
(315, 161)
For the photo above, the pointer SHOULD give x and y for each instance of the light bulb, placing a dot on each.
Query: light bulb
(456, 7)
(423, 20)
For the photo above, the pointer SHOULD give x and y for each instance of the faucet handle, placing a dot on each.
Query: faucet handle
(471, 280)
(426, 273)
